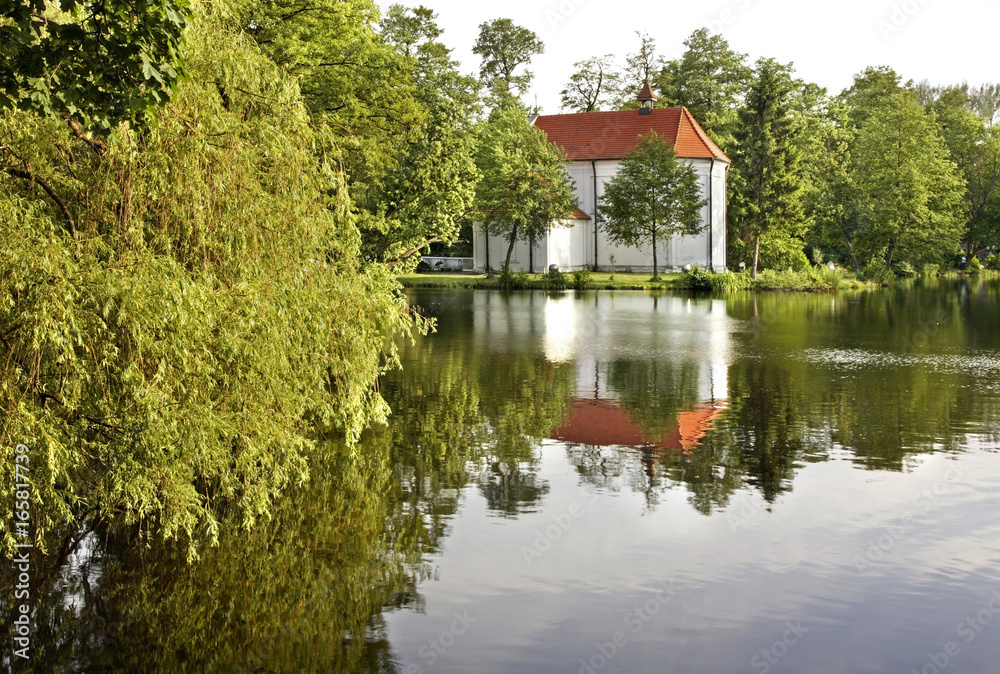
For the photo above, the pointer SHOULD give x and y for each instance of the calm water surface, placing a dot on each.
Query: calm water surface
(612, 482)
(804, 483)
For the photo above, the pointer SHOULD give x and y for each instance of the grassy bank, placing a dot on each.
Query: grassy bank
(598, 281)
(816, 279)
(819, 279)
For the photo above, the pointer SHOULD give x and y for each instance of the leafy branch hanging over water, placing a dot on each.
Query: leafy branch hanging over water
(172, 356)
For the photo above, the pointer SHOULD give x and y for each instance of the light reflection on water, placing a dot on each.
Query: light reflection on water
(821, 490)
(606, 482)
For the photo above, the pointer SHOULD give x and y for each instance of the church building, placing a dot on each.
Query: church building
(595, 143)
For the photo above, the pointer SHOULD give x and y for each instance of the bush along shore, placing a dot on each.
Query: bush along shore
(812, 279)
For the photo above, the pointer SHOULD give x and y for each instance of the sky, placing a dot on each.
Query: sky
(828, 41)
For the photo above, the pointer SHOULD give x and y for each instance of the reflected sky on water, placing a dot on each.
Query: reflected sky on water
(606, 482)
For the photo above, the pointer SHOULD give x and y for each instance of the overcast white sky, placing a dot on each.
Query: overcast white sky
(829, 41)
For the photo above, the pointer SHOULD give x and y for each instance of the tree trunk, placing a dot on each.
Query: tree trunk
(756, 256)
(655, 268)
(850, 247)
(510, 248)
(889, 254)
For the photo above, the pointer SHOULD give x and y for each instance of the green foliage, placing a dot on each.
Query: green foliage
(97, 63)
(581, 279)
(931, 269)
(766, 180)
(731, 282)
(641, 67)
(993, 262)
(524, 188)
(505, 47)
(698, 279)
(394, 102)
(508, 280)
(709, 80)
(177, 328)
(903, 269)
(974, 266)
(591, 86)
(877, 273)
(652, 196)
(906, 193)
(975, 148)
(555, 280)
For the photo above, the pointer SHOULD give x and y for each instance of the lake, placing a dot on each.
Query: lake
(612, 482)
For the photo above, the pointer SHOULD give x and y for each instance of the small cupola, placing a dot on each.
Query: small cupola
(646, 98)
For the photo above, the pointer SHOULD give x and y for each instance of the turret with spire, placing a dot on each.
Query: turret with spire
(646, 98)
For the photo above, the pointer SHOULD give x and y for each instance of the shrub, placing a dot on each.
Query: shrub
(931, 269)
(555, 280)
(993, 262)
(877, 273)
(730, 282)
(581, 279)
(698, 279)
(974, 266)
(903, 269)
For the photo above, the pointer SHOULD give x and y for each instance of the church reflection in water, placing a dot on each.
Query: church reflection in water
(661, 404)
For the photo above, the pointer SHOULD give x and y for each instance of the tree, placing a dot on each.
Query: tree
(592, 85)
(709, 80)
(525, 188)
(767, 183)
(178, 326)
(908, 192)
(505, 47)
(652, 196)
(96, 64)
(393, 100)
(640, 67)
(975, 148)
(421, 199)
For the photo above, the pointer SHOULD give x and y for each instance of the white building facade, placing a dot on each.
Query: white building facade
(595, 143)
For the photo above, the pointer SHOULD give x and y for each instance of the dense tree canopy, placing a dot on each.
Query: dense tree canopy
(95, 64)
(504, 47)
(182, 310)
(766, 183)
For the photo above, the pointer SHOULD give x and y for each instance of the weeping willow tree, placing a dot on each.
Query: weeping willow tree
(182, 308)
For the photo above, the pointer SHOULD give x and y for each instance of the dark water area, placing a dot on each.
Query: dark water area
(610, 482)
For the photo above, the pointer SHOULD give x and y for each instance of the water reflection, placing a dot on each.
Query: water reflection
(746, 448)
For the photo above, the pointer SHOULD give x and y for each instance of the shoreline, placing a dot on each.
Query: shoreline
(806, 281)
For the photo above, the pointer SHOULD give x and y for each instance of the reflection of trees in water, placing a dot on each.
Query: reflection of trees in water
(465, 415)
(302, 592)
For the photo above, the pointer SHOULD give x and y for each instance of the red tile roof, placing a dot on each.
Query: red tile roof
(646, 93)
(612, 135)
(579, 215)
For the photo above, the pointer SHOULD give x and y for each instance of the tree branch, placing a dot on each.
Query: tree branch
(25, 175)
(413, 251)
(96, 144)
